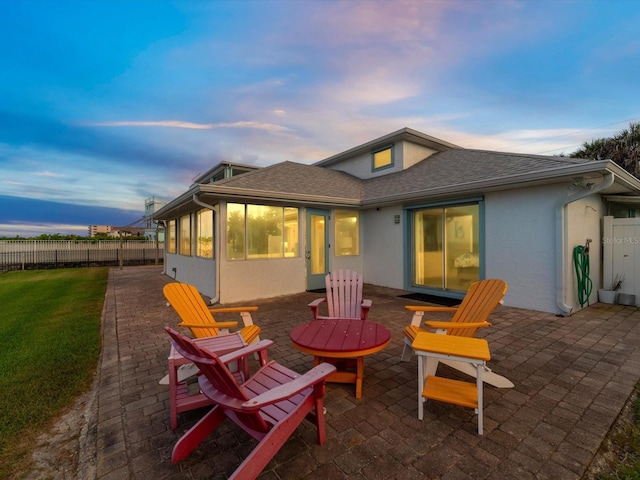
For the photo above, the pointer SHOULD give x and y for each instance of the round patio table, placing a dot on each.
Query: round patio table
(334, 340)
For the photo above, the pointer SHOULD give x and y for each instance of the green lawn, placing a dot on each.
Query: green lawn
(49, 347)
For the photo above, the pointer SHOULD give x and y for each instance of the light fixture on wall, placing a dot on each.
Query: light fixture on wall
(396, 219)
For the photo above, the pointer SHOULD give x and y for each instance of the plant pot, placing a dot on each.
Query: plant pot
(607, 296)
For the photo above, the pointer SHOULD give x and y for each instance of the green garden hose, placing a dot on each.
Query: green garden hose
(581, 263)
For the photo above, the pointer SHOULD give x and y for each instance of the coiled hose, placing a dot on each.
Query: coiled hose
(581, 263)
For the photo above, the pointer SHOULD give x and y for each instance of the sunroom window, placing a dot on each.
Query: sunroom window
(171, 236)
(185, 235)
(204, 234)
(261, 231)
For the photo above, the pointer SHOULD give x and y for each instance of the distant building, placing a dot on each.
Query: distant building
(151, 230)
(99, 229)
(127, 232)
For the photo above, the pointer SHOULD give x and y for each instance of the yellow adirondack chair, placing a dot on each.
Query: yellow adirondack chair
(198, 317)
(480, 301)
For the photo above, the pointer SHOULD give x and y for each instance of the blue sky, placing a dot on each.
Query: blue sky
(107, 103)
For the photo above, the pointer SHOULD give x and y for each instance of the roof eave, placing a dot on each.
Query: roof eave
(501, 183)
(234, 193)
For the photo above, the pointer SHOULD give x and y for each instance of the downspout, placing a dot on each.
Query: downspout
(561, 237)
(197, 201)
(164, 260)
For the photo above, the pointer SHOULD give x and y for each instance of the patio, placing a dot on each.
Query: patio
(572, 377)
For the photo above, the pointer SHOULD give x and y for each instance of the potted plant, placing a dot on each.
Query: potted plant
(610, 295)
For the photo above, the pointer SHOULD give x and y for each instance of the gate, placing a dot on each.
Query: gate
(621, 254)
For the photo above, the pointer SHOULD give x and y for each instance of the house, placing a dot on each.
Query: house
(409, 211)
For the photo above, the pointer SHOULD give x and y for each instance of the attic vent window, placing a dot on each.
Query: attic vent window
(382, 158)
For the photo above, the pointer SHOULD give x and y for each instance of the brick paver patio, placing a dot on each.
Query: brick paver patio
(572, 377)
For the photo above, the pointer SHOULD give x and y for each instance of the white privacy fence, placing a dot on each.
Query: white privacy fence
(41, 254)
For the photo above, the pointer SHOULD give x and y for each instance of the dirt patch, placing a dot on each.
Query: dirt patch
(67, 450)
(611, 452)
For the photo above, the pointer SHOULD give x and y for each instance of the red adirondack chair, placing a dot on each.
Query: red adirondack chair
(344, 296)
(269, 406)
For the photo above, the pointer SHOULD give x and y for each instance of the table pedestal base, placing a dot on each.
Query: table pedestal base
(342, 374)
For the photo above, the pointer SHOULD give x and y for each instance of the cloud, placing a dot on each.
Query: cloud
(95, 145)
(17, 210)
(48, 174)
(189, 125)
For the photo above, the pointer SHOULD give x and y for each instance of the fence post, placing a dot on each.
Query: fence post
(121, 251)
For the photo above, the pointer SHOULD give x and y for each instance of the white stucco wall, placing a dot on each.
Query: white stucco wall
(254, 279)
(200, 272)
(520, 244)
(584, 221)
(383, 247)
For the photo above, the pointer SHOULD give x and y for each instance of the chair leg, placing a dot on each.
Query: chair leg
(196, 434)
(320, 410)
(406, 351)
(271, 443)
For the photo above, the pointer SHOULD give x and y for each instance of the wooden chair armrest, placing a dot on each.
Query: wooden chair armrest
(209, 325)
(421, 308)
(453, 326)
(366, 303)
(316, 303)
(245, 351)
(282, 392)
(232, 309)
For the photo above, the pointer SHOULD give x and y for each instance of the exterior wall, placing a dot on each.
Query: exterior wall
(584, 221)
(520, 242)
(405, 154)
(383, 247)
(200, 272)
(414, 153)
(245, 280)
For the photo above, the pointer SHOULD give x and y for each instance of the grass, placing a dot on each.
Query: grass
(623, 444)
(50, 338)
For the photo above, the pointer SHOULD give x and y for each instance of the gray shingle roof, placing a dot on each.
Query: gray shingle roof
(448, 173)
(461, 166)
(296, 178)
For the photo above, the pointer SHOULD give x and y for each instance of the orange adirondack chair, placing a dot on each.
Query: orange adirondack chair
(269, 406)
(344, 297)
(197, 316)
(480, 301)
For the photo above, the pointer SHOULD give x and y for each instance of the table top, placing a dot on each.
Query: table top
(220, 345)
(341, 336)
(466, 347)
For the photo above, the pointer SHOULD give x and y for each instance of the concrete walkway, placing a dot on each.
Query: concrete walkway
(572, 378)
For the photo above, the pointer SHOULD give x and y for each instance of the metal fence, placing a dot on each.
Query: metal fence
(44, 254)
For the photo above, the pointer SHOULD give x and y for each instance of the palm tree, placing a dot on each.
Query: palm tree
(623, 149)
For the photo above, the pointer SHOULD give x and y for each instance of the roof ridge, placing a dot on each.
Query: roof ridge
(527, 155)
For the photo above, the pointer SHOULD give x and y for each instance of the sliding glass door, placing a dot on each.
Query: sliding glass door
(446, 247)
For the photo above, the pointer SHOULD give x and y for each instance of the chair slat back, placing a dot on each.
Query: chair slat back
(189, 305)
(344, 293)
(480, 301)
(218, 375)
